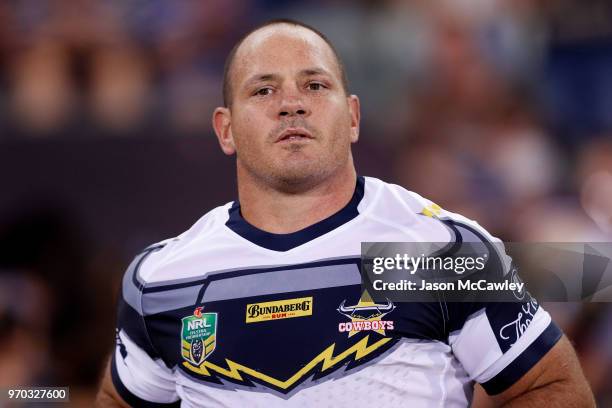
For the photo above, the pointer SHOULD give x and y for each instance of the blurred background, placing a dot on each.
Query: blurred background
(497, 109)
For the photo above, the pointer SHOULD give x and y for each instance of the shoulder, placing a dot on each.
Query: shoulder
(148, 265)
(378, 192)
(398, 205)
(382, 197)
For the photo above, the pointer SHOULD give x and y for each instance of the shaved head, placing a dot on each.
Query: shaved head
(228, 71)
(287, 117)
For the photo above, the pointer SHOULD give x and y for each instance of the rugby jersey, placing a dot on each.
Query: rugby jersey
(227, 315)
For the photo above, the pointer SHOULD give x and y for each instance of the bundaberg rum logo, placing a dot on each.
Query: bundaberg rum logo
(279, 309)
(198, 336)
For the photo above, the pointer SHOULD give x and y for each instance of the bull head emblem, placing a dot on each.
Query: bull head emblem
(365, 310)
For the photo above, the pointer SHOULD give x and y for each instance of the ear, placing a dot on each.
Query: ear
(222, 123)
(355, 112)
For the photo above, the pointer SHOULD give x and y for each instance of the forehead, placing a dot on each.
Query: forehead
(283, 46)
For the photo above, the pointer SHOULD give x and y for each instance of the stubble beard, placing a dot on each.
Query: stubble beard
(298, 173)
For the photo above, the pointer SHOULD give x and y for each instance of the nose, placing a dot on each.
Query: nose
(292, 105)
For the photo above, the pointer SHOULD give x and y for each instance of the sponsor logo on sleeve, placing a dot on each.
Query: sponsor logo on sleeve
(433, 210)
(512, 331)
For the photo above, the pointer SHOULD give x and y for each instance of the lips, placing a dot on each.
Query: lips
(294, 134)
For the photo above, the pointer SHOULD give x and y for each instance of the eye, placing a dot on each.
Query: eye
(315, 86)
(263, 91)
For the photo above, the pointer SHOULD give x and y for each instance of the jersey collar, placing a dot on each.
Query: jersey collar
(285, 242)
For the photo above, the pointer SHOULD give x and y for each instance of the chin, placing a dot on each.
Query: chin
(307, 177)
(298, 177)
(295, 176)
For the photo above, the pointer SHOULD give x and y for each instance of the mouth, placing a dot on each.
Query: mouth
(294, 135)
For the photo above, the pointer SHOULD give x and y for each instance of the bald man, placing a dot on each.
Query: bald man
(260, 304)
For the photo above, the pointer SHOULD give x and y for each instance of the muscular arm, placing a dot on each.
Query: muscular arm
(107, 395)
(556, 380)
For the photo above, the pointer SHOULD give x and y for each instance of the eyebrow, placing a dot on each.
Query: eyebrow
(271, 77)
(314, 71)
(261, 78)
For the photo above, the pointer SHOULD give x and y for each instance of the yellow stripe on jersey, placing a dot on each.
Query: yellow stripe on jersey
(360, 349)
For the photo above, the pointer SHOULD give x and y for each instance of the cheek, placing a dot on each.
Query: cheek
(260, 116)
(250, 129)
(339, 123)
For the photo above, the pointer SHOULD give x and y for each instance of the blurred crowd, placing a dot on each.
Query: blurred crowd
(497, 109)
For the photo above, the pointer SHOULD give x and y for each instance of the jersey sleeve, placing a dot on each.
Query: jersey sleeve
(138, 373)
(498, 342)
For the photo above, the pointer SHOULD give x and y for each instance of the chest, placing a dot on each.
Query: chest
(280, 328)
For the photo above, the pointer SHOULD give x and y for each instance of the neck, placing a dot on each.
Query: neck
(282, 212)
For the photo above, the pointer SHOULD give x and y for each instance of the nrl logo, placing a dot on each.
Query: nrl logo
(198, 336)
(366, 315)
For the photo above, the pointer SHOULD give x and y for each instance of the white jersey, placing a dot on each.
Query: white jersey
(227, 315)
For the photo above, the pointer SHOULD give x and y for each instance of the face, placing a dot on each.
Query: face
(290, 122)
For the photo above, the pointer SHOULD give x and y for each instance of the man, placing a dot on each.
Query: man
(249, 307)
